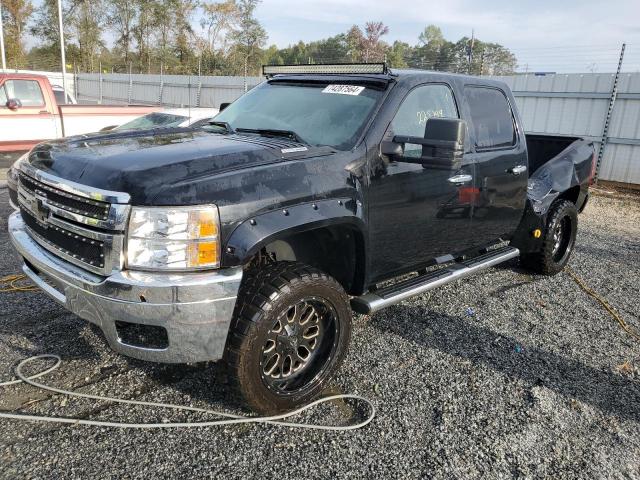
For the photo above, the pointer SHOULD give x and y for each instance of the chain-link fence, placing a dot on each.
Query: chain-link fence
(167, 90)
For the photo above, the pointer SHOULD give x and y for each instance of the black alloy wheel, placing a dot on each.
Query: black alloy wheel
(299, 346)
(289, 335)
(557, 242)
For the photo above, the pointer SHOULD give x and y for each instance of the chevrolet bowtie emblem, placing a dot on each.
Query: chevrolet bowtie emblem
(40, 210)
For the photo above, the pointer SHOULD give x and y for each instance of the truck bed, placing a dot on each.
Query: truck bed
(558, 164)
(543, 148)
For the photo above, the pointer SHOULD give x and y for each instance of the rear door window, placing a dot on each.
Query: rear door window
(27, 91)
(3, 97)
(492, 117)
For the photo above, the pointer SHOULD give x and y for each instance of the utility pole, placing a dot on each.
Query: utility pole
(75, 81)
(246, 71)
(130, 89)
(471, 44)
(199, 92)
(4, 59)
(62, 56)
(161, 86)
(100, 83)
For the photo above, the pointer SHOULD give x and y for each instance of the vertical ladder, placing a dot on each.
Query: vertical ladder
(607, 120)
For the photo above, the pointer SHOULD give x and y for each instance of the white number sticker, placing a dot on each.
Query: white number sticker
(294, 150)
(343, 89)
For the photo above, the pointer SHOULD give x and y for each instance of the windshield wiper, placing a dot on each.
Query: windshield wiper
(274, 132)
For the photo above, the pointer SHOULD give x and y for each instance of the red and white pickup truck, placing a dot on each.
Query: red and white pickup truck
(29, 113)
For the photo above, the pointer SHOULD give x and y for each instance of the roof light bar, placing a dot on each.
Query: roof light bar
(326, 69)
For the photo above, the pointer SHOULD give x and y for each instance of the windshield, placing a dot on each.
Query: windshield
(318, 114)
(153, 120)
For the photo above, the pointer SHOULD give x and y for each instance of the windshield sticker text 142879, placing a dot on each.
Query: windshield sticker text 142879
(343, 89)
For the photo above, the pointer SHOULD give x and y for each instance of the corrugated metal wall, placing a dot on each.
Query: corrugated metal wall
(572, 104)
(576, 104)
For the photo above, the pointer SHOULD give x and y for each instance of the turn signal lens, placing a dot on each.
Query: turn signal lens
(203, 254)
(207, 224)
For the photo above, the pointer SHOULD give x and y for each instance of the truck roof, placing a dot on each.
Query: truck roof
(402, 72)
(413, 73)
(22, 76)
(397, 75)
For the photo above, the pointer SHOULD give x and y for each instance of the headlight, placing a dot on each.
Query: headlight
(12, 173)
(12, 178)
(173, 238)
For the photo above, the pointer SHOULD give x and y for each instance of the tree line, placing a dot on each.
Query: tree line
(148, 35)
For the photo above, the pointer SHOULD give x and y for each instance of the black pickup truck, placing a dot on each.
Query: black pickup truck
(325, 189)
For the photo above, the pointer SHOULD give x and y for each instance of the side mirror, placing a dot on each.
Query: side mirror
(442, 144)
(224, 105)
(13, 104)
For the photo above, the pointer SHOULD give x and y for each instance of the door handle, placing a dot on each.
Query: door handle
(460, 179)
(517, 170)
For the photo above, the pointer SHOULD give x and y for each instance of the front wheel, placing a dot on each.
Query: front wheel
(290, 332)
(559, 239)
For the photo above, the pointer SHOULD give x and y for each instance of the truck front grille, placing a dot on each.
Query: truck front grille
(65, 200)
(84, 249)
(80, 226)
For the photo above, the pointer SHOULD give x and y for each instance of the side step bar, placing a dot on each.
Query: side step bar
(383, 297)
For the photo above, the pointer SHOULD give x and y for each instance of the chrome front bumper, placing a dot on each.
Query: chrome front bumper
(194, 308)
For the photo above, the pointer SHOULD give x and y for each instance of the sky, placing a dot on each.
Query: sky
(546, 35)
(567, 35)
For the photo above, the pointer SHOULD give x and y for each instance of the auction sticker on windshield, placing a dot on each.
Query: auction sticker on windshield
(343, 89)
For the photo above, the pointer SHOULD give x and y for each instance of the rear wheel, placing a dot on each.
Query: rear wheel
(559, 239)
(290, 333)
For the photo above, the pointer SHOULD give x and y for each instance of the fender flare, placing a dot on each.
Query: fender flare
(256, 232)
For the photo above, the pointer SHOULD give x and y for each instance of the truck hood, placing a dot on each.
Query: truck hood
(143, 163)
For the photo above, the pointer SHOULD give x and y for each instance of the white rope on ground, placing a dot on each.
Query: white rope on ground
(231, 419)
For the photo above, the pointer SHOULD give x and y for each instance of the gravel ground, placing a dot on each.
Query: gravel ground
(6, 160)
(538, 382)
